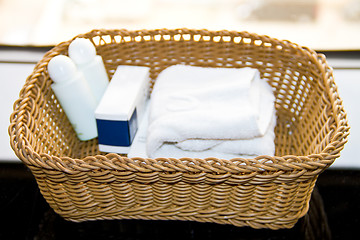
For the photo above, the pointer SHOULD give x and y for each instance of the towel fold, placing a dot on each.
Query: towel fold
(199, 112)
(245, 148)
(263, 145)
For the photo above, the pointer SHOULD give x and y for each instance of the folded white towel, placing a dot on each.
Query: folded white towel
(245, 148)
(170, 151)
(263, 145)
(194, 103)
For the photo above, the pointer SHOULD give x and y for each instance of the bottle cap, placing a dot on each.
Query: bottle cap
(61, 68)
(81, 50)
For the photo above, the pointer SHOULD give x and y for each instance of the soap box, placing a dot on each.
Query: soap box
(121, 108)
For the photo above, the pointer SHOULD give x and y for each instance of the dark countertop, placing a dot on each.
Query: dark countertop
(334, 214)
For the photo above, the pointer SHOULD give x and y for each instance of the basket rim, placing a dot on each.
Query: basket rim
(286, 163)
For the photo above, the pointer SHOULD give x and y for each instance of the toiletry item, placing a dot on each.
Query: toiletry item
(83, 53)
(121, 109)
(74, 96)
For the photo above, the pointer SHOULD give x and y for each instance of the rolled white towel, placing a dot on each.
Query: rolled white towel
(263, 145)
(245, 148)
(228, 149)
(190, 103)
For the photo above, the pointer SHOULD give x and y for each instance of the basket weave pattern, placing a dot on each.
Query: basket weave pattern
(80, 183)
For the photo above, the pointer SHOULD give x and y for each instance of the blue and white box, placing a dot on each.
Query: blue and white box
(121, 108)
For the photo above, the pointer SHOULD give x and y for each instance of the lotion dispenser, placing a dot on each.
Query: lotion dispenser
(74, 95)
(83, 53)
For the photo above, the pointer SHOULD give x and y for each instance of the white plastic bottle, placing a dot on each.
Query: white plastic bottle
(74, 95)
(83, 53)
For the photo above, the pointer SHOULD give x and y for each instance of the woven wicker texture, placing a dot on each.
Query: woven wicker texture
(80, 183)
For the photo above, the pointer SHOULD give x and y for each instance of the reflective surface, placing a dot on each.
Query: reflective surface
(334, 214)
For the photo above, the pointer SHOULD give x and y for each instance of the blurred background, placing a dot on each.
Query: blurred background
(319, 24)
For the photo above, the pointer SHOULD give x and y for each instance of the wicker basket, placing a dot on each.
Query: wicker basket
(80, 183)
